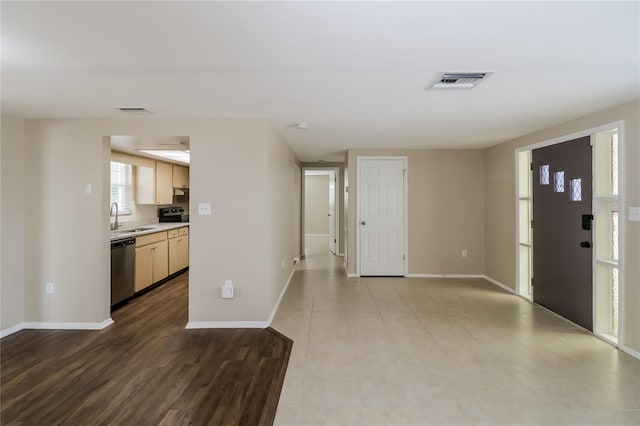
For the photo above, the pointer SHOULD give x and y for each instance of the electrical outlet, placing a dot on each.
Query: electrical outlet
(227, 290)
(49, 288)
(464, 253)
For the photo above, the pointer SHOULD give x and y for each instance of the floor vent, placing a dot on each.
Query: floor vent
(460, 80)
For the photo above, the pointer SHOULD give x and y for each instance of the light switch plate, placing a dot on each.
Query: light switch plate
(634, 214)
(204, 209)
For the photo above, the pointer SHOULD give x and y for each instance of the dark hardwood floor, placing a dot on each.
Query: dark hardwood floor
(145, 369)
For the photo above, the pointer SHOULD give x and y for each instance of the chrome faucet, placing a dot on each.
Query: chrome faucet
(114, 225)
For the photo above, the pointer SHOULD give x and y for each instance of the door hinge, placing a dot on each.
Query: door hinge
(532, 224)
(531, 281)
(335, 240)
(403, 257)
(531, 166)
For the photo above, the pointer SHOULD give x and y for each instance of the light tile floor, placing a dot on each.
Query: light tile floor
(396, 351)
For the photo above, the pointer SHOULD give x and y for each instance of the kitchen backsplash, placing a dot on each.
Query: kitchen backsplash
(143, 214)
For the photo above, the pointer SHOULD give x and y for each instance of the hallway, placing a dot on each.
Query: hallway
(396, 351)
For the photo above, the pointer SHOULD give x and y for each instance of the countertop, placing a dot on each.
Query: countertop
(149, 229)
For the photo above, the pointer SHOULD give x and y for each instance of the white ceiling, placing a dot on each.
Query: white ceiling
(355, 71)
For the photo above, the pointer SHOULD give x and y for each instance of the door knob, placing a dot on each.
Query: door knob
(363, 223)
(585, 244)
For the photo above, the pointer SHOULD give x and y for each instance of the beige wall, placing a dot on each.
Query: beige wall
(70, 250)
(11, 222)
(445, 210)
(283, 219)
(500, 205)
(316, 204)
(237, 166)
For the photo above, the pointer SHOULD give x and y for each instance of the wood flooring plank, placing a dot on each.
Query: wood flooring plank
(146, 368)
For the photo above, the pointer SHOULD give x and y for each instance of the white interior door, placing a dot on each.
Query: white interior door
(332, 213)
(381, 203)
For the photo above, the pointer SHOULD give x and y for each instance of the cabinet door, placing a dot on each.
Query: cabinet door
(160, 253)
(183, 251)
(180, 177)
(144, 268)
(174, 257)
(164, 188)
(145, 185)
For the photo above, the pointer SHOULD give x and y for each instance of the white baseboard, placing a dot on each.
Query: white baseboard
(226, 324)
(628, 350)
(316, 235)
(244, 324)
(13, 329)
(67, 325)
(284, 290)
(444, 276)
(499, 284)
(346, 271)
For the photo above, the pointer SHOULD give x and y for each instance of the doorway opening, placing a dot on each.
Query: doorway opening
(149, 206)
(607, 284)
(321, 221)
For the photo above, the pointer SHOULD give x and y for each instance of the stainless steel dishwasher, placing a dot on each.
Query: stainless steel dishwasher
(123, 263)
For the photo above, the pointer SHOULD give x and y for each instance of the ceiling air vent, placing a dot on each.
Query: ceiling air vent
(460, 80)
(133, 109)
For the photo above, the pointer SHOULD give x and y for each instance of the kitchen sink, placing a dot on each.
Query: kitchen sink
(130, 231)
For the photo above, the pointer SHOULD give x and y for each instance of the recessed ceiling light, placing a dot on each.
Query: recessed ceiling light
(302, 125)
(184, 156)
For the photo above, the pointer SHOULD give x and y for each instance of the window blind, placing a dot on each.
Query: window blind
(121, 186)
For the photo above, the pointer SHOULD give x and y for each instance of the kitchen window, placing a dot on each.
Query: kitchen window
(121, 187)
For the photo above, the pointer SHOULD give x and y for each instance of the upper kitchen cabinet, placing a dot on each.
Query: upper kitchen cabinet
(164, 188)
(180, 177)
(154, 185)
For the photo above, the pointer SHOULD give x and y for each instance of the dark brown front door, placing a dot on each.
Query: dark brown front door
(562, 253)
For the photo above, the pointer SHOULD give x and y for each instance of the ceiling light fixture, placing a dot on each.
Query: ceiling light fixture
(302, 125)
(183, 156)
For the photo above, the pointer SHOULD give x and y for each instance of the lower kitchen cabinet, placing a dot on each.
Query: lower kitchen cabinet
(178, 249)
(152, 259)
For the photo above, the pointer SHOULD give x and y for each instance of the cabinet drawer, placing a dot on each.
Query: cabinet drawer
(184, 231)
(151, 238)
(173, 233)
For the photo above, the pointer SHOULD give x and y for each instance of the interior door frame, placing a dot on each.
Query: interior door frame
(337, 194)
(405, 206)
(622, 224)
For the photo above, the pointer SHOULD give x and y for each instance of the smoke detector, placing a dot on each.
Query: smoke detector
(460, 80)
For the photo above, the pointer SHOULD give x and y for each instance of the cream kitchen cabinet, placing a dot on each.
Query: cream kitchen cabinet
(164, 184)
(154, 185)
(180, 177)
(178, 249)
(152, 259)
